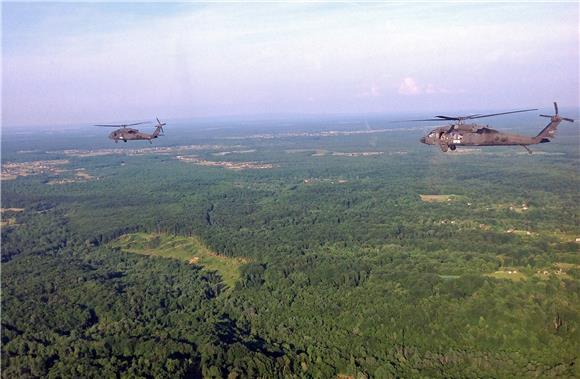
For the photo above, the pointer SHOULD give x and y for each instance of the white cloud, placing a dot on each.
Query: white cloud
(409, 86)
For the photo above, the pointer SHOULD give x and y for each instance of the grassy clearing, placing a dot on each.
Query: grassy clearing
(187, 249)
(83, 175)
(510, 274)
(17, 210)
(567, 237)
(449, 277)
(8, 221)
(438, 198)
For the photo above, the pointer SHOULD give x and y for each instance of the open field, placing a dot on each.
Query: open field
(2, 210)
(80, 176)
(187, 249)
(83, 174)
(8, 221)
(438, 198)
(511, 274)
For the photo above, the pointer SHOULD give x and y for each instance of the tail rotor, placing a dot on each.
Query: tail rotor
(160, 125)
(550, 130)
(556, 116)
(158, 129)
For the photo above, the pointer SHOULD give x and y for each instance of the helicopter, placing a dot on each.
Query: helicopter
(458, 133)
(124, 133)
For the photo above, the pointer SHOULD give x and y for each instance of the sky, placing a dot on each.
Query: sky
(76, 63)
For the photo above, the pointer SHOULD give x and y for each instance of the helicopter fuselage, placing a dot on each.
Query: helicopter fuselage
(474, 135)
(129, 134)
(458, 133)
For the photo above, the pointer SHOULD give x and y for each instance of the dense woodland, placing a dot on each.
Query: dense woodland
(349, 272)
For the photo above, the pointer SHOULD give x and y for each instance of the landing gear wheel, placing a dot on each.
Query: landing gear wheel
(452, 147)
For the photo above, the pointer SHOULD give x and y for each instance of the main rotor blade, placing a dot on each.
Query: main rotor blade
(545, 115)
(567, 119)
(556, 107)
(427, 119)
(457, 118)
(122, 125)
(497, 114)
(470, 117)
(138, 123)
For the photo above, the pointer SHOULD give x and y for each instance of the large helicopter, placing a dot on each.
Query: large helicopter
(124, 133)
(458, 133)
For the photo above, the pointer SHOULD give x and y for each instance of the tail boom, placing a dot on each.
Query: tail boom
(549, 131)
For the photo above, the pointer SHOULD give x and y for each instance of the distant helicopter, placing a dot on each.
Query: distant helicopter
(458, 133)
(127, 134)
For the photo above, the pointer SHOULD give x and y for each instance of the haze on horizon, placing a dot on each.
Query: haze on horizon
(66, 63)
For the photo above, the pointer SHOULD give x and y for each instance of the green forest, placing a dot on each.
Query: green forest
(253, 252)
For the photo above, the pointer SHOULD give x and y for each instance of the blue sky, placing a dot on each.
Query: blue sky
(67, 63)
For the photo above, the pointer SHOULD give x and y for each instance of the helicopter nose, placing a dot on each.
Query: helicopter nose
(423, 140)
